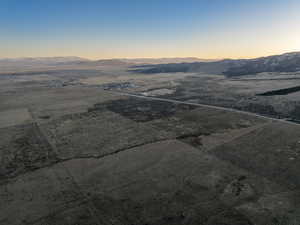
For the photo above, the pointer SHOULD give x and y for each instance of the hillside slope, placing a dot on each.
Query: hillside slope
(289, 62)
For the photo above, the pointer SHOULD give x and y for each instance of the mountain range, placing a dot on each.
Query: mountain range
(78, 60)
(288, 62)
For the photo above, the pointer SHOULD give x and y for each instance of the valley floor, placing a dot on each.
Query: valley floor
(74, 152)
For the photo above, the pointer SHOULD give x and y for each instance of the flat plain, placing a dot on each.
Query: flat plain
(76, 150)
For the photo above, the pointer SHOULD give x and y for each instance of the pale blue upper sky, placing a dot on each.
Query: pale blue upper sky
(149, 28)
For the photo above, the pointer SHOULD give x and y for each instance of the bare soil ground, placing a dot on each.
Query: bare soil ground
(73, 153)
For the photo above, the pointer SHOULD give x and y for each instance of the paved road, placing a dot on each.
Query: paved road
(204, 105)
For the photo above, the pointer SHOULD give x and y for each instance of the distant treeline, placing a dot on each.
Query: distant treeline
(284, 91)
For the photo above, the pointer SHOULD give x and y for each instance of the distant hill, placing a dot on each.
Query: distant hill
(207, 67)
(167, 60)
(78, 61)
(106, 62)
(13, 65)
(143, 61)
(289, 62)
(41, 61)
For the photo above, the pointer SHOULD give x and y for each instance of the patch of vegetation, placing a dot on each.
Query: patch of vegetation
(141, 110)
(284, 91)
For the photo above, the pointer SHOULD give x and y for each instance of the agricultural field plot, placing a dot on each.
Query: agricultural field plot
(14, 117)
(93, 134)
(23, 148)
(272, 151)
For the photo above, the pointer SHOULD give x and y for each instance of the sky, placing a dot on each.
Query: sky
(98, 29)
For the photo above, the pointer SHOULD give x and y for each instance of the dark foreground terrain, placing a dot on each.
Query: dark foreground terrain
(75, 150)
(81, 155)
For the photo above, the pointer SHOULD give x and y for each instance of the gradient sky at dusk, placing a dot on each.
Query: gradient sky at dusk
(149, 28)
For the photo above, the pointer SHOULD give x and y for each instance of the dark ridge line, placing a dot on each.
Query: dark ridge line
(284, 91)
(196, 134)
(264, 79)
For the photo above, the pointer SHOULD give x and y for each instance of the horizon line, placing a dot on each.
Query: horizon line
(132, 58)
